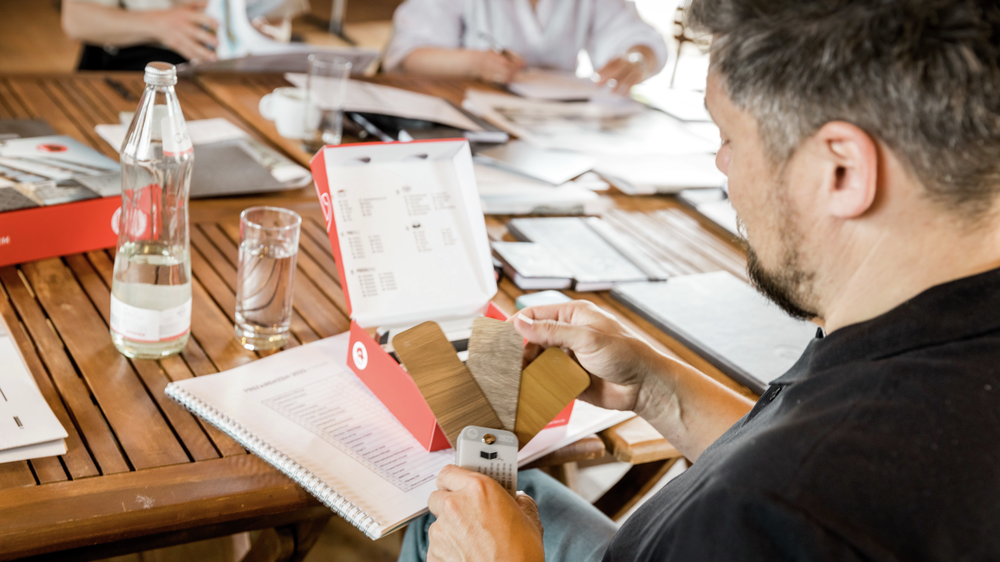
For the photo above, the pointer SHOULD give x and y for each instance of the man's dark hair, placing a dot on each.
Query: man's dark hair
(922, 76)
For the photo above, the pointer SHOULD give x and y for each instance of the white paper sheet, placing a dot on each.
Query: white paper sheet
(25, 417)
(365, 97)
(624, 127)
(686, 105)
(649, 174)
(201, 131)
(507, 193)
(558, 86)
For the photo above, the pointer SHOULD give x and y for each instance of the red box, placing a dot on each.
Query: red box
(61, 176)
(58, 230)
(408, 235)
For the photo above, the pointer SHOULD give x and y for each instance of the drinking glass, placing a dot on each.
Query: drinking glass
(327, 90)
(269, 243)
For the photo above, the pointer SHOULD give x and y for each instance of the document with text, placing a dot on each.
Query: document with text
(310, 417)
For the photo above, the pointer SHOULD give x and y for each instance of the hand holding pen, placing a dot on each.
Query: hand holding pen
(498, 65)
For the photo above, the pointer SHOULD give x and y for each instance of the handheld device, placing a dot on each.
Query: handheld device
(492, 452)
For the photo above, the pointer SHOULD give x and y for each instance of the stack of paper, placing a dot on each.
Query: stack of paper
(595, 256)
(558, 86)
(638, 149)
(365, 97)
(642, 175)
(28, 428)
(506, 193)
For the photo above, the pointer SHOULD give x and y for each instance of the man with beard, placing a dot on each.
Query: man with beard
(862, 144)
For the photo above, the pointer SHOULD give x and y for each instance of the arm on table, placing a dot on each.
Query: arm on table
(488, 66)
(181, 29)
(690, 409)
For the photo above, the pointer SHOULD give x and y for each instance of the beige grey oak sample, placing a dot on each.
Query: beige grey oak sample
(496, 353)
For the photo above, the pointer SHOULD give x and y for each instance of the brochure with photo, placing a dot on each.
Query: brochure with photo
(52, 170)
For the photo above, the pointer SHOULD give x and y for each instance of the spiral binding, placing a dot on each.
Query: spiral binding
(309, 481)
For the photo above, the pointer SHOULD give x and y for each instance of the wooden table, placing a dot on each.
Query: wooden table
(140, 471)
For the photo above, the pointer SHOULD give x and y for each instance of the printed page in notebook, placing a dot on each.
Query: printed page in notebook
(306, 404)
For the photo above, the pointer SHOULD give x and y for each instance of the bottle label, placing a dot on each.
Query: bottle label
(144, 325)
(176, 140)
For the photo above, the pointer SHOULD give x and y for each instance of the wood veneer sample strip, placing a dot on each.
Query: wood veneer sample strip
(496, 352)
(548, 385)
(446, 384)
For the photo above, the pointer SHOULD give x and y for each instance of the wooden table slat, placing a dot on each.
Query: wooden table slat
(143, 433)
(316, 242)
(16, 475)
(17, 108)
(81, 117)
(177, 370)
(214, 331)
(192, 437)
(94, 429)
(38, 102)
(212, 282)
(99, 103)
(635, 441)
(72, 514)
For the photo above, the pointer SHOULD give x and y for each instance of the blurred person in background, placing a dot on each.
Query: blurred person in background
(494, 40)
(128, 34)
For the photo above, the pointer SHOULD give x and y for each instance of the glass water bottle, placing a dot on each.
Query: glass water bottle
(151, 292)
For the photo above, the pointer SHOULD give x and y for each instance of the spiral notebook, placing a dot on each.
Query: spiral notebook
(305, 413)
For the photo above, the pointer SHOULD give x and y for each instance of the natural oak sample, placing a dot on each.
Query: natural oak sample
(495, 354)
(548, 385)
(447, 386)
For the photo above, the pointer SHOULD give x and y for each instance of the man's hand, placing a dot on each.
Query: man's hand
(618, 360)
(478, 520)
(182, 30)
(498, 68)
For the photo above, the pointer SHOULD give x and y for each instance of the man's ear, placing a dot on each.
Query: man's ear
(853, 157)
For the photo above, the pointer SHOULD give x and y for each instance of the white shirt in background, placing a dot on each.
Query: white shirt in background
(550, 37)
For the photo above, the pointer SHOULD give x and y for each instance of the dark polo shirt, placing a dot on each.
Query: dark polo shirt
(881, 443)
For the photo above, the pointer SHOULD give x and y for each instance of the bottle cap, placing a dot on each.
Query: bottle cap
(160, 74)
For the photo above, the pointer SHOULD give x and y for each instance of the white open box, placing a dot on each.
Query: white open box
(409, 238)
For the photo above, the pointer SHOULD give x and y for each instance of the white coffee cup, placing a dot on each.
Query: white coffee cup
(291, 112)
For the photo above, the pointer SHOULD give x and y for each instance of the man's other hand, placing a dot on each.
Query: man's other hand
(183, 30)
(478, 520)
(617, 360)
